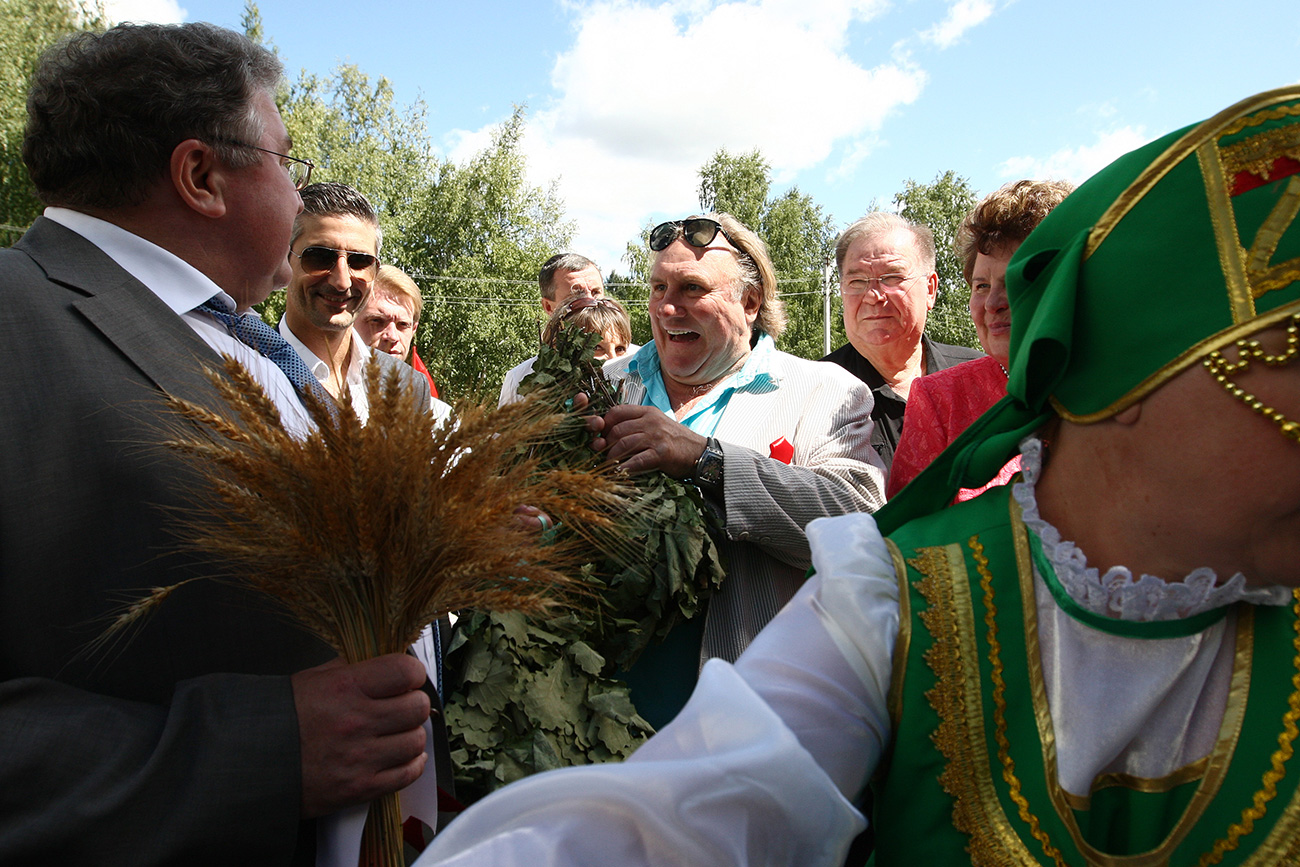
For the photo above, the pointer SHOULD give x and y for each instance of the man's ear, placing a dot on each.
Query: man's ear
(932, 289)
(199, 178)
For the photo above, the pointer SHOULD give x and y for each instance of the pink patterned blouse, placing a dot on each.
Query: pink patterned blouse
(939, 407)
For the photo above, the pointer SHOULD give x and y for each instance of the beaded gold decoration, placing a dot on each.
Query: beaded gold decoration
(1249, 351)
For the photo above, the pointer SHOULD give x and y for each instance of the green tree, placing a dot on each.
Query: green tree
(737, 184)
(800, 237)
(941, 205)
(481, 232)
(27, 28)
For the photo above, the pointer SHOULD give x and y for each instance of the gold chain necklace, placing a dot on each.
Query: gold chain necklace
(1250, 350)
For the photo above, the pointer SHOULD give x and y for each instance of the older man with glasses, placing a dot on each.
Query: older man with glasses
(771, 440)
(889, 285)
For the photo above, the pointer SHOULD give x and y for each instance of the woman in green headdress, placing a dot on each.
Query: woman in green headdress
(1096, 665)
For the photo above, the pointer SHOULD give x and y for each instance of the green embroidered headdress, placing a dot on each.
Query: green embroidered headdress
(1171, 252)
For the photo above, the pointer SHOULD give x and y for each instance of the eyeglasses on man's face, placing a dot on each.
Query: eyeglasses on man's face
(317, 260)
(697, 231)
(299, 169)
(858, 285)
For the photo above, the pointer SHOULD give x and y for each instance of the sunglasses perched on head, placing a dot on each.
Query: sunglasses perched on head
(320, 260)
(582, 302)
(697, 231)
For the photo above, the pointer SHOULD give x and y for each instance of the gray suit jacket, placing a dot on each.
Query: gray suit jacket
(418, 384)
(180, 746)
(825, 414)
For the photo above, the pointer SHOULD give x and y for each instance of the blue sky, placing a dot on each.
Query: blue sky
(847, 99)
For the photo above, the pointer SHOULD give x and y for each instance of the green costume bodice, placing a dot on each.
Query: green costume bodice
(971, 775)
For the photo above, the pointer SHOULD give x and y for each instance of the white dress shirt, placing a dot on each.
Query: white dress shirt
(182, 287)
(355, 378)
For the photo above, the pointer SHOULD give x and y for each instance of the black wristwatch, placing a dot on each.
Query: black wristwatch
(708, 468)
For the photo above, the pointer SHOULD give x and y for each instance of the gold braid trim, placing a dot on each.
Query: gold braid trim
(1000, 706)
(1281, 756)
(1257, 153)
(944, 659)
(967, 777)
(1259, 117)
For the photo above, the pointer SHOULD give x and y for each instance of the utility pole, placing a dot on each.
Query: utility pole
(828, 275)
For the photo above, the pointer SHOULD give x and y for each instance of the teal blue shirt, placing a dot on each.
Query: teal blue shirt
(663, 678)
(756, 374)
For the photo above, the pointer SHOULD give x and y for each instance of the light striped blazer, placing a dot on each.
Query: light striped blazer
(824, 412)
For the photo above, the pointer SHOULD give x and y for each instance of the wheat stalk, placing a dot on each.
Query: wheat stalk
(367, 533)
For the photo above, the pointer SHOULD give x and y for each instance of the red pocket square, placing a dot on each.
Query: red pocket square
(782, 450)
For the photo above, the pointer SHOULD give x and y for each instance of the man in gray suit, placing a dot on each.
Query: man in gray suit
(771, 440)
(218, 733)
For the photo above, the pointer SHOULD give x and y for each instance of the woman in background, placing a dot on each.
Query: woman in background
(945, 403)
(603, 316)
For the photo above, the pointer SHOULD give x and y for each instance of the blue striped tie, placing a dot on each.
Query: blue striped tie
(252, 331)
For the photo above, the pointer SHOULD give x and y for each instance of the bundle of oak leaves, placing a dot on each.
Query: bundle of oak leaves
(530, 694)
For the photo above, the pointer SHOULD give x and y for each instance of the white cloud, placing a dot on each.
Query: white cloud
(647, 93)
(962, 16)
(151, 11)
(1077, 164)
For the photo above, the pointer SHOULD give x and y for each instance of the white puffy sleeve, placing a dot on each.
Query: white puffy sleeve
(757, 769)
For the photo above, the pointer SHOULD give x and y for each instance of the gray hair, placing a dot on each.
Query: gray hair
(883, 223)
(333, 199)
(106, 110)
(568, 262)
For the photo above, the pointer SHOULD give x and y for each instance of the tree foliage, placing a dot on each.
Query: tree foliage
(941, 205)
(27, 28)
(473, 234)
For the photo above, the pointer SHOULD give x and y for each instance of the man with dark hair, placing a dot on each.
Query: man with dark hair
(218, 733)
(889, 285)
(561, 276)
(334, 257)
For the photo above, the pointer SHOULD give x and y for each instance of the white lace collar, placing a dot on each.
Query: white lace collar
(1117, 593)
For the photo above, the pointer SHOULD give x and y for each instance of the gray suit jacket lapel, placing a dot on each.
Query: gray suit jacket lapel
(124, 311)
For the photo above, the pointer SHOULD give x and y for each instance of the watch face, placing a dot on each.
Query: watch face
(709, 468)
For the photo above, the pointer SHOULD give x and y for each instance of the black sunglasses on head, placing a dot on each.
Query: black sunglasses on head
(319, 260)
(697, 231)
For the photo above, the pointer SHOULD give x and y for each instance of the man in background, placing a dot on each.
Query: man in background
(889, 285)
(334, 256)
(388, 319)
(561, 276)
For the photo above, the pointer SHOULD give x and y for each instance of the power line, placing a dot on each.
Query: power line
(497, 301)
